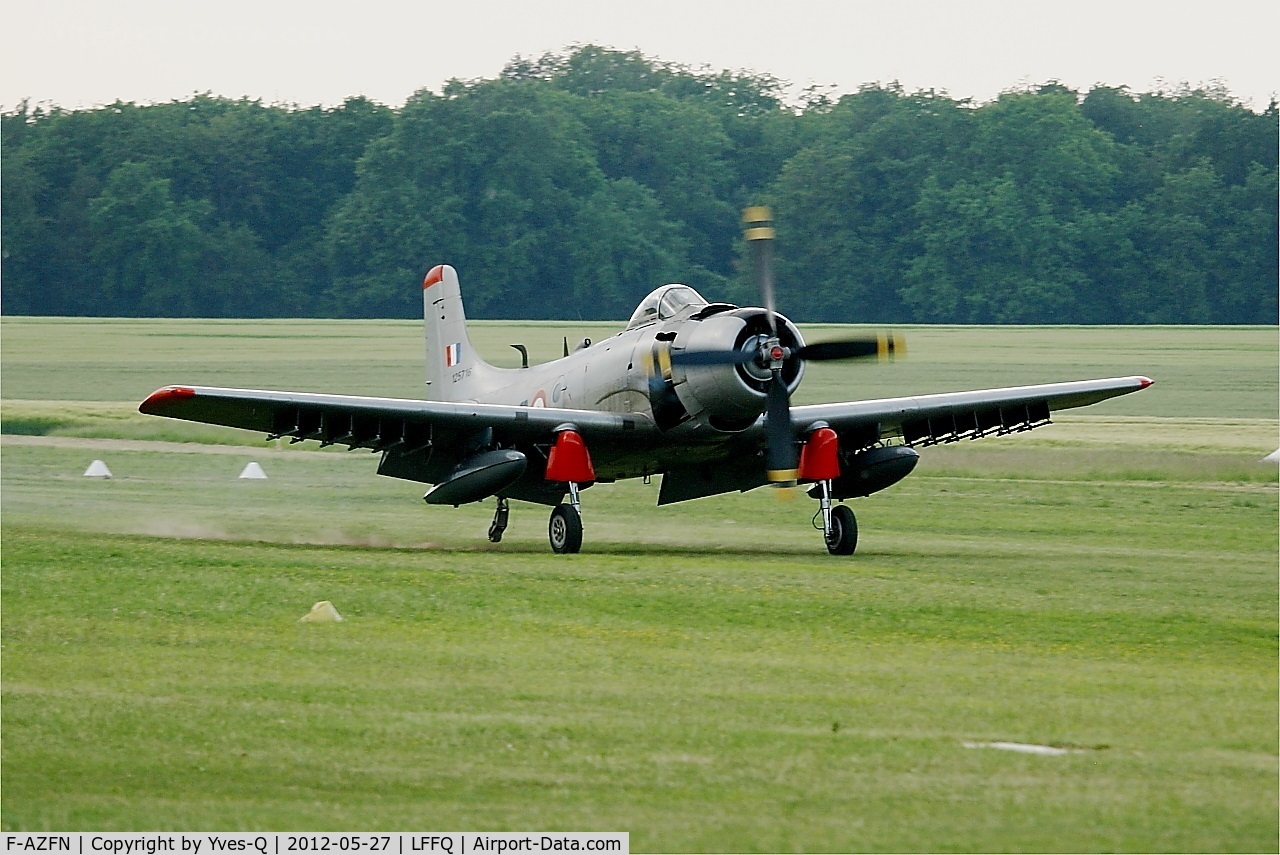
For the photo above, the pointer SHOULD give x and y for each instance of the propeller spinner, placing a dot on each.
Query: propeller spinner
(781, 457)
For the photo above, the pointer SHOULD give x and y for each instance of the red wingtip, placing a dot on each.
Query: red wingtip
(1145, 381)
(434, 275)
(168, 393)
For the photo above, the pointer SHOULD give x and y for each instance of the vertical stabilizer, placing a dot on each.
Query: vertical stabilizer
(454, 371)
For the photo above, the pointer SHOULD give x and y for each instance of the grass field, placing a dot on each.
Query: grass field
(704, 675)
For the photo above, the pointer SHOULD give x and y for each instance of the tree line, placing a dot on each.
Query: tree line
(572, 184)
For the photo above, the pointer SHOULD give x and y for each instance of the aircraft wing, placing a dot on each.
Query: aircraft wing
(381, 424)
(931, 419)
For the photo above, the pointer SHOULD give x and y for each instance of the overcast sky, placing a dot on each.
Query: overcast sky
(81, 53)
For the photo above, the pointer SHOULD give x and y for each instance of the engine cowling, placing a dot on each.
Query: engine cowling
(732, 397)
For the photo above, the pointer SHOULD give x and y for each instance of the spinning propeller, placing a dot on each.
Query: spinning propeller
(770, 354)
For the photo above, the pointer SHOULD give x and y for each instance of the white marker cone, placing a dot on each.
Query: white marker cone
(253, 470)
(97, 469)
(321, 612)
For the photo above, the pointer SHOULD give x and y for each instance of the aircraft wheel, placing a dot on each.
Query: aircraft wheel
(565, 530)
(843, 539)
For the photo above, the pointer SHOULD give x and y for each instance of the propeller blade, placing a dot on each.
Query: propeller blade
(759, 234)
(780, 459)
(712, 357)
(881, 346)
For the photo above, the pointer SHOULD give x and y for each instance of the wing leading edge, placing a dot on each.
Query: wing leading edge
(379, 424)
(946, 417)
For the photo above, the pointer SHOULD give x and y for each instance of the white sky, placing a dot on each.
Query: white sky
(81, 53)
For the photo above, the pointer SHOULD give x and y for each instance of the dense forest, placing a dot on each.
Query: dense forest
(571, 185)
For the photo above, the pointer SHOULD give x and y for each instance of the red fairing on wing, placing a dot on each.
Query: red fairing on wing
(569, 460)
(820, 456)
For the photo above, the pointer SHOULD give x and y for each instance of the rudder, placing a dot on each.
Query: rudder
(453, 367)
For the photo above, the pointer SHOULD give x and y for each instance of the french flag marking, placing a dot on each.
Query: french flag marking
(452, 354)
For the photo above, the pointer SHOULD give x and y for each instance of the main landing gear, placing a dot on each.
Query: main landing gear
(839, 526)
(565, 528)
(569, 463)
(842, 535)
(820, 462)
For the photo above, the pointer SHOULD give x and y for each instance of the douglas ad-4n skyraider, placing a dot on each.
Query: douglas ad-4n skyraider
(697, 392)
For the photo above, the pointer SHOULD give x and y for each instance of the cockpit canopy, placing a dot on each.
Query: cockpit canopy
(666, 302)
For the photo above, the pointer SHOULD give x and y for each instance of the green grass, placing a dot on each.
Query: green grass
(703, 675)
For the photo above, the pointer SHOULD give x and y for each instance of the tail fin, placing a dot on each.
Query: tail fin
(454, 371)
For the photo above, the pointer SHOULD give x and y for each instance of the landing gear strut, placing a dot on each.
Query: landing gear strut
(499, 524)
(839, 527)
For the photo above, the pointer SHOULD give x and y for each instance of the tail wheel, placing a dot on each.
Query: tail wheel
(565, 530)
(843, 539)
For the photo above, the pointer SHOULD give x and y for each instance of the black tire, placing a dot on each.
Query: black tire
(843, 539)
(565, 530)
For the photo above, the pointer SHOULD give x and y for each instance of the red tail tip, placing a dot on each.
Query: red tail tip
(1144, 382)
(434, 275)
